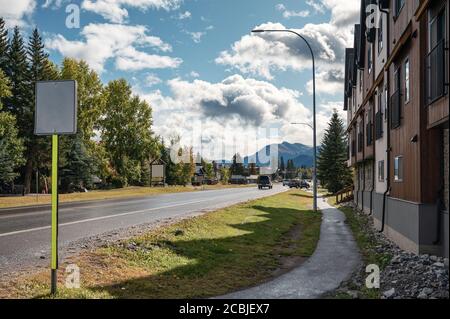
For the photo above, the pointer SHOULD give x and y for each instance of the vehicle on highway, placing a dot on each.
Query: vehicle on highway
(265, 182)
(297, 183)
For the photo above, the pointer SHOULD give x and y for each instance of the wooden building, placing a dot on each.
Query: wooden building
(397, 99)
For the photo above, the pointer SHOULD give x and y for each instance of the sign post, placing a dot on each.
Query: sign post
(55, 202)
(56, 114)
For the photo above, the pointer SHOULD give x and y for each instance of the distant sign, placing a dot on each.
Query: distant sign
(157, 171)
(56, 108)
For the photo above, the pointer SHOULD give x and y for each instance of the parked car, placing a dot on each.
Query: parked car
(265, 182)
(286, 182)
(294, 183)
(305, 184)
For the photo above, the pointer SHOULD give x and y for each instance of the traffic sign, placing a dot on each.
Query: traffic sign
(55, 114)
(56, 108)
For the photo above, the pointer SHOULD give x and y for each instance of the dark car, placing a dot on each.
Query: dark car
(265, 182)
(295, 183)
(304, 184)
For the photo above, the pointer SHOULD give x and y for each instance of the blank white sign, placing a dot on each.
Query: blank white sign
(56, 108)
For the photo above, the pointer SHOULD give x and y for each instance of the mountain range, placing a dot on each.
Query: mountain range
(302, 155)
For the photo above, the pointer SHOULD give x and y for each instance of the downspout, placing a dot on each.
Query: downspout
(388, 133)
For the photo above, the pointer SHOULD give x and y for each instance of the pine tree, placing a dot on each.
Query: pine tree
(19, 104)
(11, 147)
(78, 170)
(3, 45)
(332, 168)
(40, 69)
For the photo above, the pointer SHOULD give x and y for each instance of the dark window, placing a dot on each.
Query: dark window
(380, 35)
(369, 127)
(379, 116)
(369, 58)
(399, 4)
(396, 105)
(436, 66)
(361, 137)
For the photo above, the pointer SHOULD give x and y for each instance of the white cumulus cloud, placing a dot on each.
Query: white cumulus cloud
(17, 11)
(116, 10)
(121, 43)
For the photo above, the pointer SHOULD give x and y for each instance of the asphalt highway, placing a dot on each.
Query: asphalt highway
(25, 232)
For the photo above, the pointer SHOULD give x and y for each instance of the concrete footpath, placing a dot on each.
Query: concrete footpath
(335, 259)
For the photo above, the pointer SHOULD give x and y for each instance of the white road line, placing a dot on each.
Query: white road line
(104, 205)
(115, 216)
(101, 218)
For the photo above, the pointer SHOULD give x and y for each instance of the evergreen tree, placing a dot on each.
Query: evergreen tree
(3, 45)
(237, 168)
(40, 69)
(11, 147)
(78, 170)
(332, 168)
(19, 103)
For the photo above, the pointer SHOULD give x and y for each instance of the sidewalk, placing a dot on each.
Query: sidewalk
(334, 261)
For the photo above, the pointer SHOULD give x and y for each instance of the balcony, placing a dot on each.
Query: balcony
(436, 81)
(396, 109)
(379, 125)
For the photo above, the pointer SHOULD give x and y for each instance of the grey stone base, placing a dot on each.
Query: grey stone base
(414, 227)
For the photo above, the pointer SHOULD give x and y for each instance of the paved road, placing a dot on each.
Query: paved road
(333, 262)
(25, 233)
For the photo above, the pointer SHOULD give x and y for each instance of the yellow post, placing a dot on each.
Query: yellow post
(54, 259)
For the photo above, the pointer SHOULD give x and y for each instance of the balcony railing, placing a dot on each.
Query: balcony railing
(379, 125)
(396, 109)
(436, 69)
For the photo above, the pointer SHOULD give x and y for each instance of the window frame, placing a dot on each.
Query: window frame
(399, 5)
(381, 171)
(399, 169)
(380, 35)
(407, 82)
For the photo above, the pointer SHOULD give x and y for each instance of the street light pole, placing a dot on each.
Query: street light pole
(314, 104)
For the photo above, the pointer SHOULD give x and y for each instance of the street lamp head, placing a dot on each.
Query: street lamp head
(258, 31)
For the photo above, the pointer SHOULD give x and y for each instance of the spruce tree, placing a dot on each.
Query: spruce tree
(332, 169)
(3, 45)
(19, 103)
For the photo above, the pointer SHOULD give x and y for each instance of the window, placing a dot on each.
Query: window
(395, 107)
(399, 4)
(398, 169)
(369, 58)
(386, 103)
(379, 116)
(407, 82)
(436, 64)
(380, 35)
(381, 171)
(369, 134)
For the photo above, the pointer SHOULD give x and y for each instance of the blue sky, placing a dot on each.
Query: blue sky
(195, 60)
